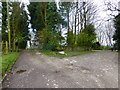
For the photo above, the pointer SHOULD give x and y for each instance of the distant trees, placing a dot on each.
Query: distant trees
(38, 15)
(66, 8)
(47, 21)
(87, 37)
(19, 25)
(4, 21)
(14, 25)
(113, 8)
(116, 36)
(80, 22)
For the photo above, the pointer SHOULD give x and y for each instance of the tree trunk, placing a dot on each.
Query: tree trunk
(81, 21)
(84, 8)
(68, 26)
(75, 23)
(6, 49)
(78, 20)
(9, 35)
(14, 47)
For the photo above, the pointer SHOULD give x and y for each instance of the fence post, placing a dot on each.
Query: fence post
(1, 45)
(16, 48)
(6, 50)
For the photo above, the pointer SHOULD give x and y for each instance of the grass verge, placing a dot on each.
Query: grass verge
(7, 60)
(67, 53)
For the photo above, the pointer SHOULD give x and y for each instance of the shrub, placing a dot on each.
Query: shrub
(49, 40)
(105, 47)
(96, 45)
(85, 41)
(87, 37)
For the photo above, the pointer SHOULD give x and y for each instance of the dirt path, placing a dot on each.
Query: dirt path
(93, 70)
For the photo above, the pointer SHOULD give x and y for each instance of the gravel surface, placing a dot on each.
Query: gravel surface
(92, 70)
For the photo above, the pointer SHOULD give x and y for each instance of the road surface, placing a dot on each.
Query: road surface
(93, 70)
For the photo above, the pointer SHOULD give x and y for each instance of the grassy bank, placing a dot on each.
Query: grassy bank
(67, 53)
(7, 61)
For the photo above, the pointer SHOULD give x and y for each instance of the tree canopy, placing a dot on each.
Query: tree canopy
(116, 36)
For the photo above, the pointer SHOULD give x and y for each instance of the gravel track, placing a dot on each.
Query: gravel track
(93, 70)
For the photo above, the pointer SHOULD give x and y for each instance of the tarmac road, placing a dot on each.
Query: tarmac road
(93, 70)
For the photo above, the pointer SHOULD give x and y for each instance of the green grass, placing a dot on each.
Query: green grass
(68, 53)
(7, 61)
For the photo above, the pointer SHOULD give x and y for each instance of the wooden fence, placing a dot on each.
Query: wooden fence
(4, 47)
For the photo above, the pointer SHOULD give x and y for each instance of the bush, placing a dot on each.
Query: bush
(85, 41)
(71, 39)
(105, 47)
(87, 37)
(22, 45)
(96, 45)
(52, 47)
(49, 40)
(115, 46)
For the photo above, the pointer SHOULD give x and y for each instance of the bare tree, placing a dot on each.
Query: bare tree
(109, 32)
(86, 14)
(112, 8)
